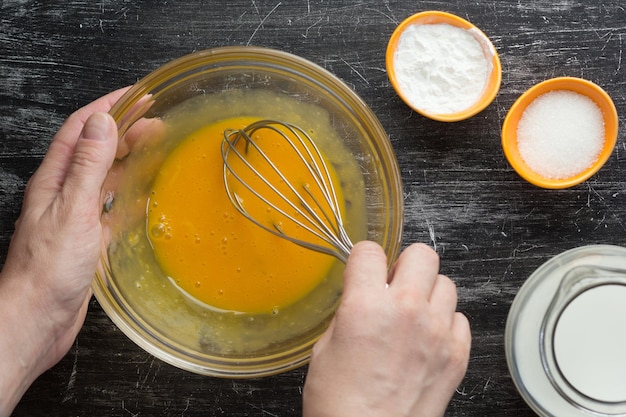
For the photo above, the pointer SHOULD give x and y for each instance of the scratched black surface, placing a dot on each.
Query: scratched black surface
(491, 228)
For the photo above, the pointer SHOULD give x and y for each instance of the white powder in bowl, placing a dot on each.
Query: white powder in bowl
(440, 68)
(560, 134)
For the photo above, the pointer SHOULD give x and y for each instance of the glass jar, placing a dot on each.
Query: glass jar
(565, 336)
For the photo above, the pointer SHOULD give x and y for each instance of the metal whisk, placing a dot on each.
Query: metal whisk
(310, 204)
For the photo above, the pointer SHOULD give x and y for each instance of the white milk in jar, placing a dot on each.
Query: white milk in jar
(590, 342)
(566, 334)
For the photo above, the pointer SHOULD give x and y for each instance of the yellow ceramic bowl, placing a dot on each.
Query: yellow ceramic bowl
(578, 85)
(153, 117)
(437, 17)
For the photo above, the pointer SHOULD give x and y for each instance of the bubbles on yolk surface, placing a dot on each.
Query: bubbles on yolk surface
(209, 249)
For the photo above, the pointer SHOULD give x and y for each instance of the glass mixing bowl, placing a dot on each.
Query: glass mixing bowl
(153, 117)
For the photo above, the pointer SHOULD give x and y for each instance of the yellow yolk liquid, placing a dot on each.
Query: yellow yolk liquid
(211, 251)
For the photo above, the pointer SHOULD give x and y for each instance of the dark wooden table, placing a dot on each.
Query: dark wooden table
(490, 227)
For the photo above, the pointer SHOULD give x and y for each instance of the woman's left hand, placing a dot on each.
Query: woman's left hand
(45, 282)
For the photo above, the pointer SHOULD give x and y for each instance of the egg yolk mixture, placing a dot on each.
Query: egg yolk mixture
(210, 250)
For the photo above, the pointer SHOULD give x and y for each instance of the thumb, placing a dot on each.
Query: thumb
(92, 158)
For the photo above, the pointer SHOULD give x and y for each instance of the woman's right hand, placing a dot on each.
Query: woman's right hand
(396, 350)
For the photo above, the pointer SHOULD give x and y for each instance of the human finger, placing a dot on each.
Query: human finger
(443, 298)
(139, 134)
(49, 177)
(68, 132)
(76, 120)
(450, 372)
(415, 271)
(92, 158)
(461, 342)
(366, 269)
(462, 333)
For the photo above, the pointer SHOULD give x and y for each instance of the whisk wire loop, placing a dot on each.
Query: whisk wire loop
(326, 227)
(238, 200)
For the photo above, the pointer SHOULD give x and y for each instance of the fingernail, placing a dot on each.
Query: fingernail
(96, 127)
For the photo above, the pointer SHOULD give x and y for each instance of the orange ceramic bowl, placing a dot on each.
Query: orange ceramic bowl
(436, 17)
(578, 85)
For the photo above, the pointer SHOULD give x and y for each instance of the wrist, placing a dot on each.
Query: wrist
(25, 342)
